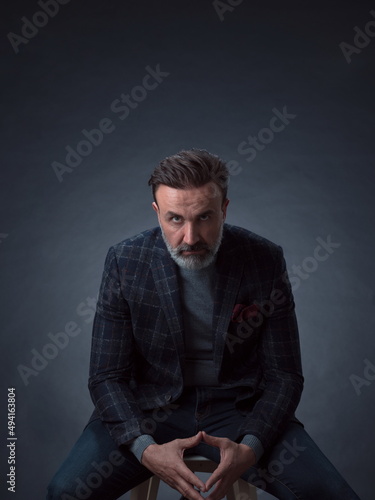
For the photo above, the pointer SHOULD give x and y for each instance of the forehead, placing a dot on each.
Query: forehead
(195, 199)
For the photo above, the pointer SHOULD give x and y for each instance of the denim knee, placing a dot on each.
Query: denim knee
(59, 490)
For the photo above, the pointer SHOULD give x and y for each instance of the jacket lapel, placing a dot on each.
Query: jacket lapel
(164, 272)
(229, 267)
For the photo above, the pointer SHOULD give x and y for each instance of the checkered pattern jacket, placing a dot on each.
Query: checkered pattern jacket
(137, 357)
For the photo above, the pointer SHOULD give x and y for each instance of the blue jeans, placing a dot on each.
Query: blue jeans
(295, 468)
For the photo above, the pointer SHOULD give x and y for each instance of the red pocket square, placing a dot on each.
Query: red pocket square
(242, 312)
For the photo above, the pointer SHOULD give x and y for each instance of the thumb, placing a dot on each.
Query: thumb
(192, 441)
(211, 440)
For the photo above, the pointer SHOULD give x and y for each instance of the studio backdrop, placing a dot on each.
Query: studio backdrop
(94, 95)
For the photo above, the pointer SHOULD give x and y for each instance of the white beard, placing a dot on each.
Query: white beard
(193, 262)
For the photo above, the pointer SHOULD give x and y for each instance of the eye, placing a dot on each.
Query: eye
(176, 218)
(204, 217)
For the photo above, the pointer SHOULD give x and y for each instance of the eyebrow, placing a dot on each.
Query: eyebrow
(174, 214)
(171, 214)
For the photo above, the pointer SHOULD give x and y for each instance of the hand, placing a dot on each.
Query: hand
(166, 461)
(235, 459)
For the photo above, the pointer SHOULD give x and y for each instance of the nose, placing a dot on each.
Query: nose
(191, 234)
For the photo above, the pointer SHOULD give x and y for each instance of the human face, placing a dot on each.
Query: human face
(191, 221)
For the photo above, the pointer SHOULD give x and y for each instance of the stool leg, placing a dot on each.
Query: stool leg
(153, 488)
(148, 490)
(245, 491)
(140, 492)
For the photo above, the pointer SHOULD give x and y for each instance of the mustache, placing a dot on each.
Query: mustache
(192, 248)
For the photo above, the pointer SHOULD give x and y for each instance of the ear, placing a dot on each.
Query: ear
(155, 207)
(224, 208)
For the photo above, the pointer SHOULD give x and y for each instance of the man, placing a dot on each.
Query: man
(195, 350)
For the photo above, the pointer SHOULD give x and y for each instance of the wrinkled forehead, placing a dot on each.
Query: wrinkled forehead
(193, 199)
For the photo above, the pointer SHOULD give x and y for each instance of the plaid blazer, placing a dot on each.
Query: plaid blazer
(137, 356)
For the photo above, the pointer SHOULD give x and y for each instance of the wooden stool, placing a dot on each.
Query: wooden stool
(149, 489)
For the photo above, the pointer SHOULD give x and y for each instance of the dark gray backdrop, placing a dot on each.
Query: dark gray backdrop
(223, 76)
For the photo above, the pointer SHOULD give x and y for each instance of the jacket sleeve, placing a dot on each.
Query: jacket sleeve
(280, 359)
(111, 359)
